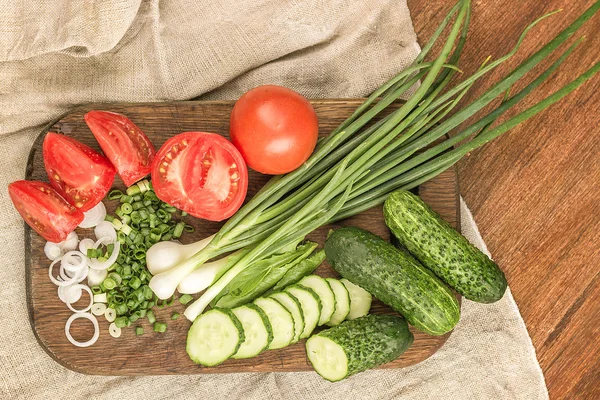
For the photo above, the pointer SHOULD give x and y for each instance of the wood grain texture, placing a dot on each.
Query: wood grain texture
(155, 353)
(535, 192)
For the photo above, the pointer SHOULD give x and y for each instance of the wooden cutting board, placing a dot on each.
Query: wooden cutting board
(155, 353)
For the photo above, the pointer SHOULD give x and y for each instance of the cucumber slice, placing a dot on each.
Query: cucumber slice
(214, 337)
(311, 307)
(360, 300)
(342, 302)
(293, 306)
(325, 293)
(281, 322)
(327, 358)
(257, 330)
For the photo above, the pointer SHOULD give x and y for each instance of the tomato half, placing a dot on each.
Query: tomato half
(81, 175)
(125, 145)
(202, 174)
(44, 210)
(275, 129)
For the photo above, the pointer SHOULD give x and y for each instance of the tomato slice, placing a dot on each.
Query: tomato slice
(125, 145)
(200, 173)
(44, 210)
(80, 174)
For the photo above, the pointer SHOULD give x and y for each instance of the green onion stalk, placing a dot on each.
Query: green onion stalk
(381, 147)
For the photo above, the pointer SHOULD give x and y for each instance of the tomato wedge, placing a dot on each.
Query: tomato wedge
(44, 210)
(81, 175)
(125, 145)
(200, 173)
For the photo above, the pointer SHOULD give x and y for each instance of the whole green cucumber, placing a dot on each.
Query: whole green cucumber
(442, 249)
(394, 277)
(357, 345)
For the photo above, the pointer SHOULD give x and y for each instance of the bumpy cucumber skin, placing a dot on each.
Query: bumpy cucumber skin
(395, 278)
(237, 324)
(443, 250)
(371, 340)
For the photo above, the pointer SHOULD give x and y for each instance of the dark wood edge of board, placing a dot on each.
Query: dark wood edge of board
(27, 231)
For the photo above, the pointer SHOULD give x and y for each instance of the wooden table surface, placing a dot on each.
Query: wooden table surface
(535, 192)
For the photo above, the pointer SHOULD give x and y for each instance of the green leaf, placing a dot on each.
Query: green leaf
(303, 268)
(261, 276)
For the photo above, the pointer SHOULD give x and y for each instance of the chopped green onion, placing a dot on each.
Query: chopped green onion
(133, 190)
(137, 197)
(166, 236)
(115, 277)
(135, 282)
(139, 330)
(120, 309)
(184, 214)
(126, 229)
(186, 298)
(117, 224)
(126, 199)
(151, 317)
(122, 322)
(115, 194)
(96, 289)
(138, 205)
(178, 230)
(174, 316)
(109, 283)
(126, 208)
(189, 228)
(160, 327)
(93, 253)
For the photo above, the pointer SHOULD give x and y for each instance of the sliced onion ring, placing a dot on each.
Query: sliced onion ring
(105, 229)
(85, 244)
(87, 289)
(94, 321)
(96, 276)
(95, 264)
(94, 216)
(73, 261)
(66, 282)
(66, 294)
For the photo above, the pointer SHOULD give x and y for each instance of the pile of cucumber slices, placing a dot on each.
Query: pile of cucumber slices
(275, 320)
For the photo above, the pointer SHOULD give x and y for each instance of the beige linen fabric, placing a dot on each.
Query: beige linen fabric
(57, 54)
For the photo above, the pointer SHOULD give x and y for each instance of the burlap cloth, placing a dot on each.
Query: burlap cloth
(57, 54)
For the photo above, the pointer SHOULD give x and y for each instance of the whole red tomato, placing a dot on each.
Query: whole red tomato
(275, 129)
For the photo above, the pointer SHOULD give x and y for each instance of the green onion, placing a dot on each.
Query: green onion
(139, 330)
(121, 309)
(151, 317)
(96, 289)
(186, 298)
(122, 322)
(178, 230)
(125, 199)
(174, 316)
(184, 214)
(109, 283)
(93, 253)
(160, 327)
(133, 190)
(135, 282)
(115, 194)
(351, 170)
(126, 208)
